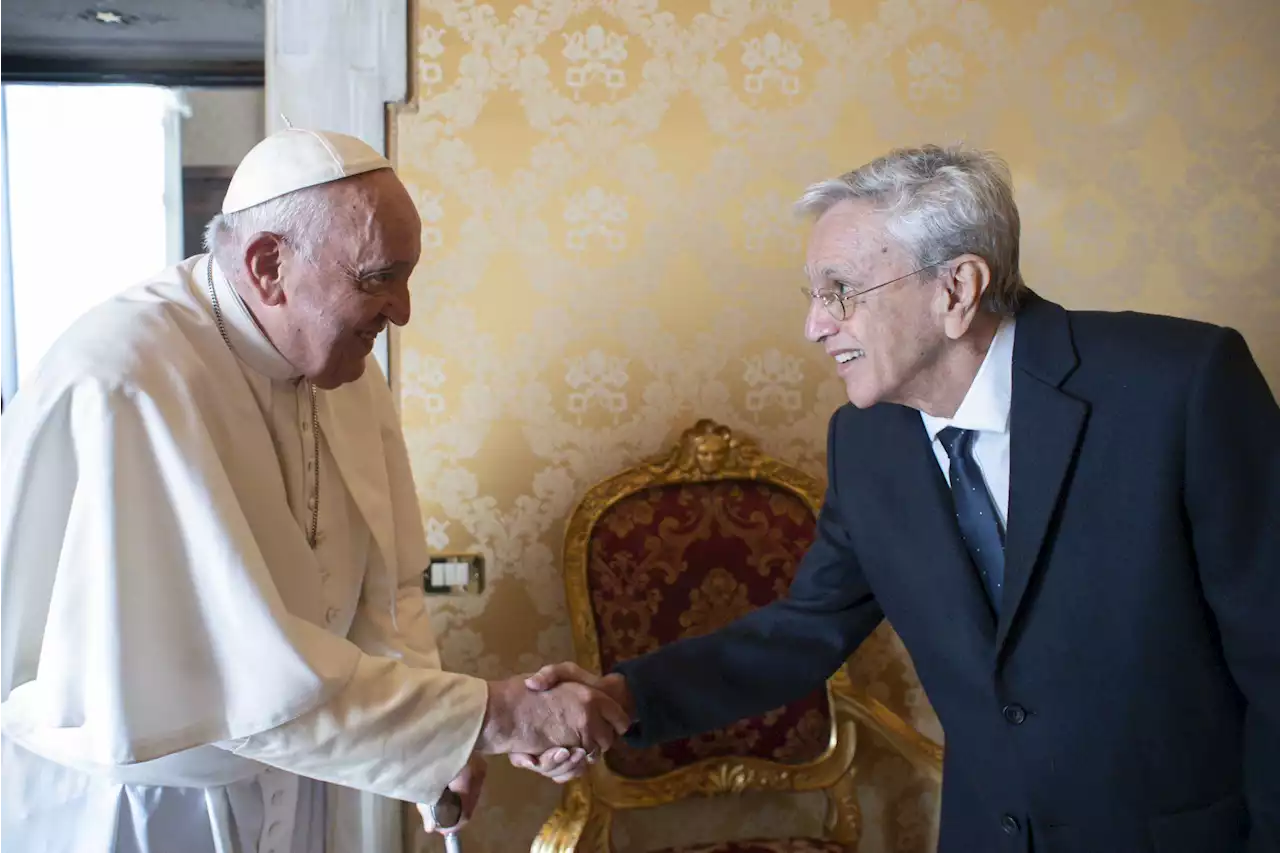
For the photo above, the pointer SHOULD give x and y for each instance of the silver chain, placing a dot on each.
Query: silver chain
(315, 417)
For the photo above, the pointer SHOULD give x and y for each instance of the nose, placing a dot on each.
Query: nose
(818, 322)
(398, 307)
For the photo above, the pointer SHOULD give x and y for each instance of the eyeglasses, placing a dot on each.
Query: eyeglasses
(837, 303)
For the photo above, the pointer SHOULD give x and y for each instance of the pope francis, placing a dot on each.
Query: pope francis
(212, 551)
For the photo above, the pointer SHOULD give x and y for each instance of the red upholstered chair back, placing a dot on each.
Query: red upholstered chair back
(682, 559)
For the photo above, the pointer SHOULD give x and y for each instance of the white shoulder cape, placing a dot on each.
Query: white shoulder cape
(157, 593)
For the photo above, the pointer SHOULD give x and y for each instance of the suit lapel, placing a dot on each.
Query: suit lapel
(914, 488)
(1046, 426)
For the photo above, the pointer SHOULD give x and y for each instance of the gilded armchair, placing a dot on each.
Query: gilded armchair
(681, 545)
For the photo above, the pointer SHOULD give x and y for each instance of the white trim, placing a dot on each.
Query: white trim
(8, 337)
(178, 110)
(336, 65)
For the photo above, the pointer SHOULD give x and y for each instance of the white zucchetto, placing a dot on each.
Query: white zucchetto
(294, 159)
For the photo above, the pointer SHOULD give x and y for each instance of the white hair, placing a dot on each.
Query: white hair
(941, 202)
(298, 217)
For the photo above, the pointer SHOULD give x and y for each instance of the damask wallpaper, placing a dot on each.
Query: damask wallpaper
(610, 255)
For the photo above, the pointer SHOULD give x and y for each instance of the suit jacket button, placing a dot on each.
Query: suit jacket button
(1010, 825)
(1015, 715)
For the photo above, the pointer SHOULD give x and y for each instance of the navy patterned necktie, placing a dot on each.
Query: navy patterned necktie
(979, 523)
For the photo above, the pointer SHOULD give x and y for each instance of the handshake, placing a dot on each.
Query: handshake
(554, 722)
(557, 720)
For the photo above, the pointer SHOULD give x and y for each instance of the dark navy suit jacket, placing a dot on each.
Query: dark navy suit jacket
(1128, 698)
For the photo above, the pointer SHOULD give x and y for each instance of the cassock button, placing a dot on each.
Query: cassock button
(311, 503)
(1015, 715)
(331, 615)
(1010, 825)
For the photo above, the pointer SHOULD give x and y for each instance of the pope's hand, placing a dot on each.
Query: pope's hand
(467, 785)
(561, 765)
(572, 714)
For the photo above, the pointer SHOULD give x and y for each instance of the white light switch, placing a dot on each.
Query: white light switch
(461, 574)
(450, 574)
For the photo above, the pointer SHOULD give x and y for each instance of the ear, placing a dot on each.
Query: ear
(263, 262)
(967, 279)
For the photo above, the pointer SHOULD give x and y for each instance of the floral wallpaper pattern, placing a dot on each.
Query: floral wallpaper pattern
(609, 254)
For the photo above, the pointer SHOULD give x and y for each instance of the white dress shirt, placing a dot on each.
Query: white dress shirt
(985, 409)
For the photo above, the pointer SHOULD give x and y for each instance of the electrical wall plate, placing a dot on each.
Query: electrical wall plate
(454, 574)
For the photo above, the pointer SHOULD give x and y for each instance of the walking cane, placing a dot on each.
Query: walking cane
(445, 814)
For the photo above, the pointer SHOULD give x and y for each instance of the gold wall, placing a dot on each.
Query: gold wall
(610, 255)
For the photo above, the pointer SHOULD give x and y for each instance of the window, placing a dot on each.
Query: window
(92, 205)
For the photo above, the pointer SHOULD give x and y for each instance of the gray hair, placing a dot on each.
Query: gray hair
(298, 217)
(941, 202)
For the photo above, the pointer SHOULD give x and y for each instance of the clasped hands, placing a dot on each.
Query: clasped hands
(562, 718)
(555, 723)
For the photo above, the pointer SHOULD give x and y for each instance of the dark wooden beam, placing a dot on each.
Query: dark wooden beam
(17, 68)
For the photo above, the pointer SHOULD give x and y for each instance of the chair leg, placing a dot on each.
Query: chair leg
(579, 825)
(844, 815)
(597, 835)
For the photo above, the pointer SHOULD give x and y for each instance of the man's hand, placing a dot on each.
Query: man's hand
(563, 765)
(467, 785)
(568, 715)
(554, 674)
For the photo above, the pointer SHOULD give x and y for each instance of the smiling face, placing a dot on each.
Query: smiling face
(890, 339)
(323, 309)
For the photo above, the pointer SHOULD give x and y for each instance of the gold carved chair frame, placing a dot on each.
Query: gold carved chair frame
(705, 453)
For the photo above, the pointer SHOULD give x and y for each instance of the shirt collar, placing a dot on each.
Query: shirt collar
(248, 341)
(985, 406)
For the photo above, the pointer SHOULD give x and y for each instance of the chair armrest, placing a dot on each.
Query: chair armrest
(924, 753)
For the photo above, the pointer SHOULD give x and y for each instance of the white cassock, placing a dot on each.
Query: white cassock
(179, 664)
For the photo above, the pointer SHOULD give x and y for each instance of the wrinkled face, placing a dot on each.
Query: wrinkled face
(890, 337)
(336, 302)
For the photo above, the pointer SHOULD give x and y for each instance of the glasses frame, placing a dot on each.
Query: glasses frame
(830, 298)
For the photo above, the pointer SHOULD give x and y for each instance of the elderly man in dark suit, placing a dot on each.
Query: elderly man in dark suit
(1071, 518)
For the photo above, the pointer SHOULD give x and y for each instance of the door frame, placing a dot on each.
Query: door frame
(341, 65)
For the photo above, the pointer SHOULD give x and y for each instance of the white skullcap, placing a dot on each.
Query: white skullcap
(294, 159)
